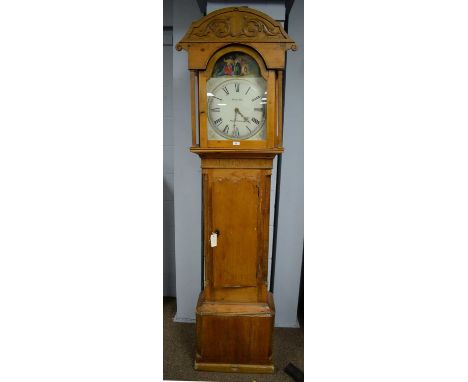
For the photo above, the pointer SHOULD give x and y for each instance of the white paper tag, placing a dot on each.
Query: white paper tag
(236, 143)
(214, 240)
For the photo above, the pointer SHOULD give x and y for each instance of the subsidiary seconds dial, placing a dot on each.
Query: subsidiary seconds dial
(236, 109)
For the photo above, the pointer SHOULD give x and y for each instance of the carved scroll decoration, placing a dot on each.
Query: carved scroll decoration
(236, 25)
(219, 27)
(252, 27)
(249, 27)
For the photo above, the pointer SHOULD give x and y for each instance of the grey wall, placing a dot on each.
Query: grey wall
(169, 284)
(168, 160)
(273, 8)
(290, 228)
(187, 174)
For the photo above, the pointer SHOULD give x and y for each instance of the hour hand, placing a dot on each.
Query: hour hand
(235, 116)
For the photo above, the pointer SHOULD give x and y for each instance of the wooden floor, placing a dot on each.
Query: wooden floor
(179, 350)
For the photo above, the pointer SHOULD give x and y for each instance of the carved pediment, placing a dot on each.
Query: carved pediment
(236, 25)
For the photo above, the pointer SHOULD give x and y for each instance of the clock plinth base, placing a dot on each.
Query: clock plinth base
(235, 337)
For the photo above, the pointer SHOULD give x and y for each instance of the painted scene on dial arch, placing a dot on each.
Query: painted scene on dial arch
(236, 64)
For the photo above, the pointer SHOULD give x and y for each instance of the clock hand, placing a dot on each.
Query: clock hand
(242, 115)
(235, 130)
(236, 110)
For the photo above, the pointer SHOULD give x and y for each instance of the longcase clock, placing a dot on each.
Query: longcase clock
(236, 58)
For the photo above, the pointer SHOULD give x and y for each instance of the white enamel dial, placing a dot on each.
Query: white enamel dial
(237, 108)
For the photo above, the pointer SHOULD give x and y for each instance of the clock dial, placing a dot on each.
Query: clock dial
(237, 108)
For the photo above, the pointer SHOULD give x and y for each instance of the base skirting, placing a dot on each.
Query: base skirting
(234, 368)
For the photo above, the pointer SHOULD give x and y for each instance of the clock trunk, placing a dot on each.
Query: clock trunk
(235, 312)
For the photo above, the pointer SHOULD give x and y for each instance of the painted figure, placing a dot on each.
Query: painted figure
(235, 65)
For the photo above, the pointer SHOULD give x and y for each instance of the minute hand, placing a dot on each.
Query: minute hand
(242, 115)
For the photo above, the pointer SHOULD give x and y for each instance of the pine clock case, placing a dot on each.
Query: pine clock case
(235, 312)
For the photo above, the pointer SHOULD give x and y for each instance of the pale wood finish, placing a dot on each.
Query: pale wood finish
(236, 203)
(235, 337)
(236, 163)
(236, 25)
(193, 108)
(271, 109)
(243, 144)
(202, 120)
(249, 31)
(273, 54)
(234, 368)
(233, 308)
(279, 94)
(233, 263)
(231, 152)
(201, 54)
(235, 312)
(215, 307)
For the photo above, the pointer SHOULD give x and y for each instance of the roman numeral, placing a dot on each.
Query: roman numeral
(215, 109)
(217, 98)
(226, 129)
(218, 121)
(256, 98)
(237, 86)
(259, 109)
(225, 90)
(247, 90)
(256, 120)
(247, 127)
(235, 132)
